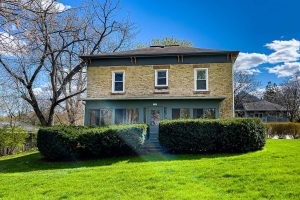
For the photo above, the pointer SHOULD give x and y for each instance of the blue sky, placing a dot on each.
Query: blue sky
(244, 25)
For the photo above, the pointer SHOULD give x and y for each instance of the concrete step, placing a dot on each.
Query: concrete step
(153, 139)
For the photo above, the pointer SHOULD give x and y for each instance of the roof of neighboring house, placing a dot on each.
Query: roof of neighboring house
(155, 51)
(26, 126)
(262, 106)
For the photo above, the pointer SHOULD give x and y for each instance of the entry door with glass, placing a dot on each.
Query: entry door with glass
(154, 116)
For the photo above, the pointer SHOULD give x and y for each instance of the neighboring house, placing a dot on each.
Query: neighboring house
(160, 82)
(267, 111)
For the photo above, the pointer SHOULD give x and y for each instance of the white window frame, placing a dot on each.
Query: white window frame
(113, 81)
(167, 77)
(195, 78)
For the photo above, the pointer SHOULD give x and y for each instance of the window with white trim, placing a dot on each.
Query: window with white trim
(161, 78)
(118, 81)
(201, 79)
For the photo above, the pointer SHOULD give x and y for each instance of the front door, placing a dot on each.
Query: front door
(154, 116)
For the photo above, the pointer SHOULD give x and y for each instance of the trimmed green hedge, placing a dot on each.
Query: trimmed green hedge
(219, 135)
(70, 142)
(283, 129)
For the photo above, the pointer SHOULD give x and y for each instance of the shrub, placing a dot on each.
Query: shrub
(12, 137)
(67, 143)
(59, 142)
(220, 135)
(113, 140)
(283, 129)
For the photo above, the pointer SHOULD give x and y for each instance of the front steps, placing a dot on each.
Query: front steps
(152, 144)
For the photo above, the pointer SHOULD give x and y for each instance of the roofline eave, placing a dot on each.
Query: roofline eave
(95, 57)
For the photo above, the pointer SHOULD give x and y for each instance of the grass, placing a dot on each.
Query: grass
(273, 173)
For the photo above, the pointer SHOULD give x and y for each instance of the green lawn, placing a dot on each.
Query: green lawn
(273, 173)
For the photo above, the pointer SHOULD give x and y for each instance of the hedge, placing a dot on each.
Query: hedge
(71, 142)
(219, 135)
(283, 129)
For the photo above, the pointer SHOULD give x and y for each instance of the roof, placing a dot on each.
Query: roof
(26, 126)
(262, 106)
(156, 98)
(155, 51)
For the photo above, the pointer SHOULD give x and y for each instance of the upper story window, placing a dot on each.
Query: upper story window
(201, 79)
(118, 81)
(161, 78)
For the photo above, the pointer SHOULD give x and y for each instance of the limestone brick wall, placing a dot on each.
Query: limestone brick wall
(139, 82)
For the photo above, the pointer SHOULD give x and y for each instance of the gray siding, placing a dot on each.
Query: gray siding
(141, 104)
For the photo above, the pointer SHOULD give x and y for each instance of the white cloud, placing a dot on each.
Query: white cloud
(259, 92)
(247, 62)
(285, 51)
(38, 91)
(56, 6)
(286, 69)
(51, 5)
(9, 45)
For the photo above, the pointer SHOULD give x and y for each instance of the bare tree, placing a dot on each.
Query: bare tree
(244, 85)
(289, 96)
(40, 43)
(165, 41)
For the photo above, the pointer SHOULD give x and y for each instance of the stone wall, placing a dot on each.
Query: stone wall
(139, 82)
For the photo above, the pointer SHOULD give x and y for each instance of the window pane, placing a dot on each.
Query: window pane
(119, 76)
(132, 116)
(197, 113)
(145, 115)
(161, 74)
(184, 113)
(118, 86)
(201, 84)
(165, 113)
(175, 113)
(94, 117)
(162, 81)
(120, 116)
(201, 74)
(210, 113)
(105, 117)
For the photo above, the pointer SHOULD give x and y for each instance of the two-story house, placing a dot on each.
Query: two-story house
(160, 82)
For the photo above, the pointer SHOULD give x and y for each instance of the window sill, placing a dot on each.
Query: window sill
(161, 87)
(202, 92)
(161, 91)
(117, 93)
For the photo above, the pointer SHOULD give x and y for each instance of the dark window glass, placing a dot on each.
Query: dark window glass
(165, 113)
(118, 81)
(94, 117)
(161, 78)
(201, 79)
(105, 117)
(145, 115)
(185, 113)
(118, 86)
(175, 113)
(197, 113)
(132, 116)
(162, 74)
(126, 116)
(120, 116)
(162, 81)
(201, 84)
(119, 76)
(210, 113)
(201, 75)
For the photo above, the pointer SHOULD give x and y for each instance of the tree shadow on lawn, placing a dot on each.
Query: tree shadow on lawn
(34, 161)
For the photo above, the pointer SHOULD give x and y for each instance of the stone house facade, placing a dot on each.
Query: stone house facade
(159, 82)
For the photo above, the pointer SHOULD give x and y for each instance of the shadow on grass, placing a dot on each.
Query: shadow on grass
(34, 161)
